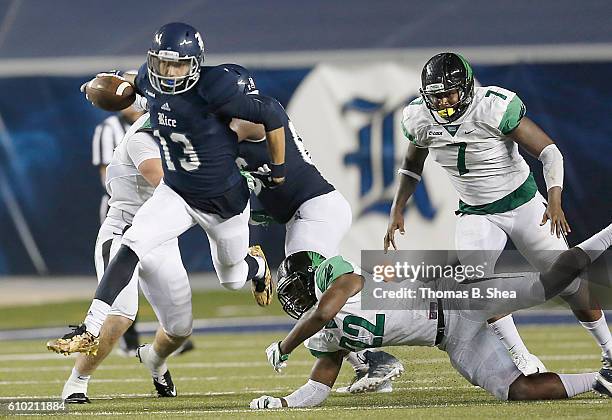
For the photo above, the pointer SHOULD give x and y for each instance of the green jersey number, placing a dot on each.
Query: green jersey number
(359, 342)
(461, 158)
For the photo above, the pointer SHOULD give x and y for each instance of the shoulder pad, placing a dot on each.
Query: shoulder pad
(219, 83)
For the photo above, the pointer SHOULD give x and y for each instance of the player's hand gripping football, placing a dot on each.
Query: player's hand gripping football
(277, 359)
(554, 213)
(115, 73)
(395, 223)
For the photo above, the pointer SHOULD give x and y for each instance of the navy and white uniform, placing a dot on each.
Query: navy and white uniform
(201, 181)
(316, 215)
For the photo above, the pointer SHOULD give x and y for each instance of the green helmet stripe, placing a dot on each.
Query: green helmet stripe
(316, 258)
(470, 73)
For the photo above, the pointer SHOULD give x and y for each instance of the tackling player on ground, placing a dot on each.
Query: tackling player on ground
(337, 324)
(474, 133)
(191, 106)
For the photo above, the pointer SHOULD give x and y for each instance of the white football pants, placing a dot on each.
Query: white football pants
(161, 275)
(480, 238)
(165, 216)
(319, 225)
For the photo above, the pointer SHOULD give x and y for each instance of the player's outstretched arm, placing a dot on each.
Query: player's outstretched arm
(330, 303)
(533, 139)
(314, 392)
(410, 175)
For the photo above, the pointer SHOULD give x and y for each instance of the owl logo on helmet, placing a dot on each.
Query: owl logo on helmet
(175, 57)
(447, 85)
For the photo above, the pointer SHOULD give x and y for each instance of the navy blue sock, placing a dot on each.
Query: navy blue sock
(253, 266)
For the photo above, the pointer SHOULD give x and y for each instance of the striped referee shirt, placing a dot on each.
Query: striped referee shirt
(106, 137)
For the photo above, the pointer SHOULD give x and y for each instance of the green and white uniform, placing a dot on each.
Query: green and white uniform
(498, 195)
(355, 329)
(473, 350)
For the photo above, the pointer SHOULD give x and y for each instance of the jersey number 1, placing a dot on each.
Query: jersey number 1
(461, 158)
(190, 161)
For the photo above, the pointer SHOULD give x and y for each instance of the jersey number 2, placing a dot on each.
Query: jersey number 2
(190, 161)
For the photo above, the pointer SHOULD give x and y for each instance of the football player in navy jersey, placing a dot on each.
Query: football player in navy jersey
(191, 106)
(315, 214)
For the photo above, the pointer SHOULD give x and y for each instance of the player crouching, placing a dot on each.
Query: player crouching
(337, 324)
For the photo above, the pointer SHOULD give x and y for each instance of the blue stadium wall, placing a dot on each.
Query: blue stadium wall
(45, 159)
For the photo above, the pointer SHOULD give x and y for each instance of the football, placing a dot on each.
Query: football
(110, 93)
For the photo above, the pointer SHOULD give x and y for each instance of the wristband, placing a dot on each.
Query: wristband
(277, 170)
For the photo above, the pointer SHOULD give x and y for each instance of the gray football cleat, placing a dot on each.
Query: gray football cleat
(382, 369)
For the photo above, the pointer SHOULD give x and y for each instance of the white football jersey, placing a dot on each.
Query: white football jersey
(483, 163)
(354, 328)
(128, 189)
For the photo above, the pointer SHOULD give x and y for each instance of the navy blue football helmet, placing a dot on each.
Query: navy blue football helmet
(175, 57)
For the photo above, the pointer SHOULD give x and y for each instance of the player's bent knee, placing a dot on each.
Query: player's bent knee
(520, 389)
(179, 330)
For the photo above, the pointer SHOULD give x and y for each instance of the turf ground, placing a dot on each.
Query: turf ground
(221, 376)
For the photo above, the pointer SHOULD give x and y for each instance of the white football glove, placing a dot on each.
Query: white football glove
(276, 358)
(266, 402)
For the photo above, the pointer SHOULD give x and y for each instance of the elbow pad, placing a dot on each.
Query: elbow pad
(552, 162)
(311, 394)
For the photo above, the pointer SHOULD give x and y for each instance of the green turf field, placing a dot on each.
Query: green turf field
(206, 304)
(225, 372)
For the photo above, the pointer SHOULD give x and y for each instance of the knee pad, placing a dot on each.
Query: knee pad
(180, 328)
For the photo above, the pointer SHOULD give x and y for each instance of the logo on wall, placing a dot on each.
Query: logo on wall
(350, 120)
(375, 158)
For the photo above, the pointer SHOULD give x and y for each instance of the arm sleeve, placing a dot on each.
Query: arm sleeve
(141, 147)
(255, 108)
(552, 162)
(310, 394)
